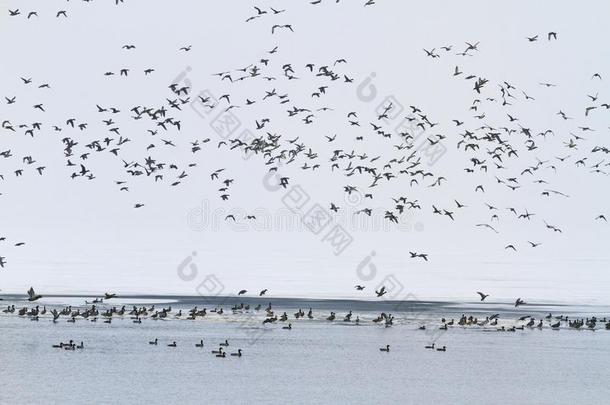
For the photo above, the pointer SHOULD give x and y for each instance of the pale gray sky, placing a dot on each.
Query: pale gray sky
(84, 236)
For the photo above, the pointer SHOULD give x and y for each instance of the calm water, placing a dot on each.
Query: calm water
(316, 362)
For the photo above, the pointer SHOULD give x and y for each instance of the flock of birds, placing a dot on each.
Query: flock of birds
(259, 13)
(141, 139)
(220, 352)
(494, 152)
(91, 312)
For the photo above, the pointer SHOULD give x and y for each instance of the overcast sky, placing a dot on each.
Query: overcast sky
(85, 236)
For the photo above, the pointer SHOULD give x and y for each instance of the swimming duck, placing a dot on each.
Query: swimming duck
(269, 320)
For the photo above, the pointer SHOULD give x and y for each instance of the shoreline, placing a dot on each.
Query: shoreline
(364, 304)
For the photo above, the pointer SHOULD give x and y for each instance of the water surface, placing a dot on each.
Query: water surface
(316, 362)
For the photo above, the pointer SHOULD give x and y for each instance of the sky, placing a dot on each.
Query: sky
(85, 236)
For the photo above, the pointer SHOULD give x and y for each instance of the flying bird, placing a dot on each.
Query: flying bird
(483, 296)
(32, 296)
